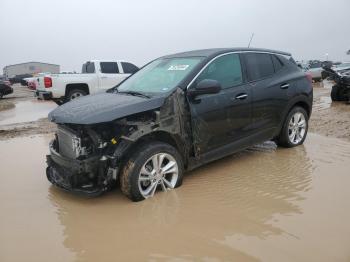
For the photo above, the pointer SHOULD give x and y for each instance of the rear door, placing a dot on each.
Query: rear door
(219, 119)
(110, 75)
(271, 89)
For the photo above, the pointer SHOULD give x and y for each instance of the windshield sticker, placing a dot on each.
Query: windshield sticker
(178, 67)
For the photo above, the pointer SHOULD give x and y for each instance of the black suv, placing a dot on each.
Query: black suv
(177, 113)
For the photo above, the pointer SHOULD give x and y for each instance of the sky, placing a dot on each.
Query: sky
(70, 32)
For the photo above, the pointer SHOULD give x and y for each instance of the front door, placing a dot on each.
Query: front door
(219, 119)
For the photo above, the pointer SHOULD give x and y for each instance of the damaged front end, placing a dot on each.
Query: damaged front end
(79, 161)
(87, 158)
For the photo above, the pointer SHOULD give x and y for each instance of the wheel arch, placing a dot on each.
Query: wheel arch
(81, 86)
(301, 101)
(157, 136)
(303, 105)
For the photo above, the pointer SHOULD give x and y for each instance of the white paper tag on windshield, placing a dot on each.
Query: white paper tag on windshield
(178, 67)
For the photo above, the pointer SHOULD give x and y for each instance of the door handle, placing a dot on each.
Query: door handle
(284, 86)
(103, 77)
(241, 96)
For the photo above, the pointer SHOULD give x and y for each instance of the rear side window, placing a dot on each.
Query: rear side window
(225, 69)
(277, 63)
(129, 68)
(109, 67)
(259, 65)
(88, 68)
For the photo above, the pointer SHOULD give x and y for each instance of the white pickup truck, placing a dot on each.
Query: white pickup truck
(96, 76)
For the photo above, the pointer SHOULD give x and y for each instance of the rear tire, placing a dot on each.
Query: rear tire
(139, 179)
(75, 93)
(294, 129)
(1, 95)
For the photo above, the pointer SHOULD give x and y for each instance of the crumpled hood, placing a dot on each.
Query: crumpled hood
(103, 107)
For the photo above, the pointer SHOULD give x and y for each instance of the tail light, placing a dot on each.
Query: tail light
(309, 78)
(47, 82)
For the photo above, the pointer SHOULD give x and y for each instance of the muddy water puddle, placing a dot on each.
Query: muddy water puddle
(26, 111)
(263, 203)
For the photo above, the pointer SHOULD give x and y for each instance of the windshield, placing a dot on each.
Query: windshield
(160, 76)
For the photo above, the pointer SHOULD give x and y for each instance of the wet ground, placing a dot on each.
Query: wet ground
(329, 118)
(26, 111)
(264, 203)
(261, 204)
(21, 114)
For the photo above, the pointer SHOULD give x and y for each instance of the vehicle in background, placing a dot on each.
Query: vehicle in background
(19, 79)
(302, 65)
(315, 70)
(32, 84)
(342, 66)
(96, 76)
(341, 89)
(175, 114)
(5, 88)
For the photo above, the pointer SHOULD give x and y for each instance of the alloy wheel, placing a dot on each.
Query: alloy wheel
(297, 128)
(159, 170)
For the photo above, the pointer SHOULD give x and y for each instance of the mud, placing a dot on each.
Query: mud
(22, 115)
(5, 105)
(42, 126)
(27, 111)
(264, 203)
(329, 118)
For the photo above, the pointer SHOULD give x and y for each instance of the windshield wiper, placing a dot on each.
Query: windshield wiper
(133, 93)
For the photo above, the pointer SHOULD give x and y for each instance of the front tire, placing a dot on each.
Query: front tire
(155, 165)
(294, 129)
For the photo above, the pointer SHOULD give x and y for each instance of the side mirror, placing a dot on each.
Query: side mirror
(206, 86)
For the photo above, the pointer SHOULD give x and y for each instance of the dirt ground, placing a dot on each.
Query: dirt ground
(262, 204)
(12, 123)
(329, 118)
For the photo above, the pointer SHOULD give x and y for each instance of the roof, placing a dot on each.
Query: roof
(31, 63)
(107, 60)
(218, 51)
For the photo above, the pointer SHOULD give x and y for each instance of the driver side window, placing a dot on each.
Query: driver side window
(225, 69)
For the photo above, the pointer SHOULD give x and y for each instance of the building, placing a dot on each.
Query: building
(30, 68)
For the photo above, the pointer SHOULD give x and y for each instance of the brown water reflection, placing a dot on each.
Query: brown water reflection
(237, 195)
(261, 204)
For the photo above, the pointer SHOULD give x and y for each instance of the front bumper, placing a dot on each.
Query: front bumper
(45, 95)
(86, 177)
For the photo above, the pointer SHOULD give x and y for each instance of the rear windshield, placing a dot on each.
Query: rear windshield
(88, 68)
